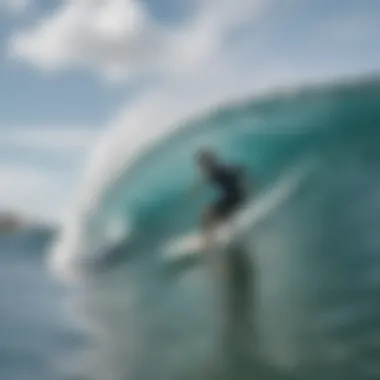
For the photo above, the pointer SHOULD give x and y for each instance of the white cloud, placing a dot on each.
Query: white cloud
(120, 37)
(28, 190)
(15, 6)
(34, 188)
(58, 140)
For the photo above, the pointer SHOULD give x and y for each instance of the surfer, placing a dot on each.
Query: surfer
(230, 181)
(235, 272)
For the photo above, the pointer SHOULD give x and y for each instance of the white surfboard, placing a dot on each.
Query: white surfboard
(186, 245)
(193, 243)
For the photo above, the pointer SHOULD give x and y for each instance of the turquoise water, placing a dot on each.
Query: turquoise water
(311, 301)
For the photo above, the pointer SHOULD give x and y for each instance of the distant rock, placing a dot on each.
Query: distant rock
(11, 223)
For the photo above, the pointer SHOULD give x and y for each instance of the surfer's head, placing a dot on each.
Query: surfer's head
(207, 158)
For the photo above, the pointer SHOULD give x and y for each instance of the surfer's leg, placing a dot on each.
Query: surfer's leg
(208, 225)
(215, 214)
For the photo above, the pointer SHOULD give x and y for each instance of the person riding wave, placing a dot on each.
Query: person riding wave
(231, 182)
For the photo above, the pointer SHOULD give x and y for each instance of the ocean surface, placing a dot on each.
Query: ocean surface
(34, 337)
(294, 296)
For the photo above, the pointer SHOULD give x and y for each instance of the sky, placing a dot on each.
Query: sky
(72, 71)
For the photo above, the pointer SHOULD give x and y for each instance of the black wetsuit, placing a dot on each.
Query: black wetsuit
(229, 180)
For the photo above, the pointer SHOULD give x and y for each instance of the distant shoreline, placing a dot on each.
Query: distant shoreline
(11, 223)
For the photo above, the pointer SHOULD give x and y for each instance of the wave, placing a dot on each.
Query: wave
(312, 235)
(264, 134)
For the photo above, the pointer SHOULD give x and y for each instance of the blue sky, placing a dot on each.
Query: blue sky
(72, 70)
